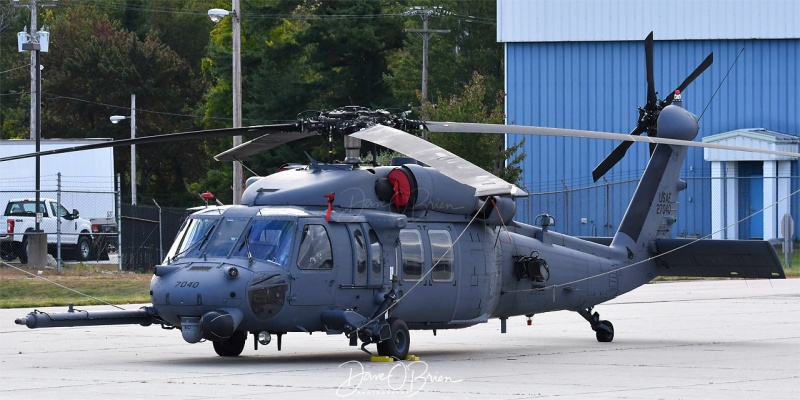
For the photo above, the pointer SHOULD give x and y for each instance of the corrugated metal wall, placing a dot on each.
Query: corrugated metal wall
(607, 20)
(599, 85)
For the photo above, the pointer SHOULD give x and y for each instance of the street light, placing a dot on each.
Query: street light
(216, 15)
(115, 120)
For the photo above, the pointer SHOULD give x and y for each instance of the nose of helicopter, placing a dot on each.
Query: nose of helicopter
(212, 300)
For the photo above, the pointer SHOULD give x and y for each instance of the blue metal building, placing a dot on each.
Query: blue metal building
(580, 64)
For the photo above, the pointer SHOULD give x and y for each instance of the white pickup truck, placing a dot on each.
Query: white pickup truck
(20, 219)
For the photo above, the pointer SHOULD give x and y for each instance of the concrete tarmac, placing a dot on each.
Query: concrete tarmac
(688, 340)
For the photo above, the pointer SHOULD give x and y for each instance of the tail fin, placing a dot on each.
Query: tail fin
(654, 206)
(644, 230)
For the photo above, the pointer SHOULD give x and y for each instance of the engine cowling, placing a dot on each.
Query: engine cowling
(415, 188)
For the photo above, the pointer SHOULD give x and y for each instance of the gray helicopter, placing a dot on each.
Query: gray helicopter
(373, 252)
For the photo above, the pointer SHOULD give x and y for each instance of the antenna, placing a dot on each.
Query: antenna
(720, 84)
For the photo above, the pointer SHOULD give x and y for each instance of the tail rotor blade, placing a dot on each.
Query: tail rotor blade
(648, 54)
(613, 158)
(689, 79)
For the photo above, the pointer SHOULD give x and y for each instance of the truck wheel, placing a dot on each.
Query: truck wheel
(83, 250)
(7, 252)
(22, 250)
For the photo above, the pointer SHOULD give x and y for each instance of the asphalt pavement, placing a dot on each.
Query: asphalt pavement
(689, 340)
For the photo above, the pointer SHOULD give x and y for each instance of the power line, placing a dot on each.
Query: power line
(52, 96)
(14, 69)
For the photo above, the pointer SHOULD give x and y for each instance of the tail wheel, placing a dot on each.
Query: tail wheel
(232, 346)
(604, 332)
(399, 342)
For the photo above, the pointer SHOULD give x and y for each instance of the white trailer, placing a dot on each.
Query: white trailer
(87, 177)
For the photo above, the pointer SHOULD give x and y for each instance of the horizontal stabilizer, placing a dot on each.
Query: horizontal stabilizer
(753, 259)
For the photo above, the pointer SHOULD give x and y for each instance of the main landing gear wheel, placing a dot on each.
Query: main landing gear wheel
(231, 347)
(399, 342)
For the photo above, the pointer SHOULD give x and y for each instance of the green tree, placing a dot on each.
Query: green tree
(485, 150)
(95, 63)
(469, 47)
(14, 76)
(349, 42)
(308, 55)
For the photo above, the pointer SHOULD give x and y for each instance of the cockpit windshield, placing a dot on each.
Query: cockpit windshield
(195, 231)
(267, 240)
(262, 239)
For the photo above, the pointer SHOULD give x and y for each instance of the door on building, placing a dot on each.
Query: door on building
(751, 199)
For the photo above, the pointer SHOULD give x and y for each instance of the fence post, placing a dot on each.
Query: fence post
(119, 223)
(160, 236)
(58, 222)
(608, 208)
(566, 208)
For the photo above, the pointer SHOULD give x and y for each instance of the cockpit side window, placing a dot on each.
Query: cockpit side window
(315, 248)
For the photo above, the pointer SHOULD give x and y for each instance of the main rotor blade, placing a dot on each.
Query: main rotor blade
(541, 131)
(613, 158)
(260, 144)
(648, 57)
(169, 137)
(447, 163)
(689, 79)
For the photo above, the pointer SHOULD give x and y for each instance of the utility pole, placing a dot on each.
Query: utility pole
(426, 34)
(32, 5)
(133, 149)
(36, 42)
(238, 170)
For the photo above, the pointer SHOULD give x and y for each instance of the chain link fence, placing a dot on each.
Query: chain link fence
(135, 237)
(88, 207)
(147, 234)
(719, 208)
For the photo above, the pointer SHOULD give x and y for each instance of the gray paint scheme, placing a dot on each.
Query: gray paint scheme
(295, 257)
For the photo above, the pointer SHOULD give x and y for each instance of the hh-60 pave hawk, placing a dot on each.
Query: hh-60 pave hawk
(372, 252)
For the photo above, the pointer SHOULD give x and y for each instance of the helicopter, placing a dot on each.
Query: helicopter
(373, 252)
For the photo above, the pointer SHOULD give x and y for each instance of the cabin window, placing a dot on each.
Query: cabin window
(361, 255)
(376, 250)
(412, 254)
(267, 240)
(315, 248)
(441, 255)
